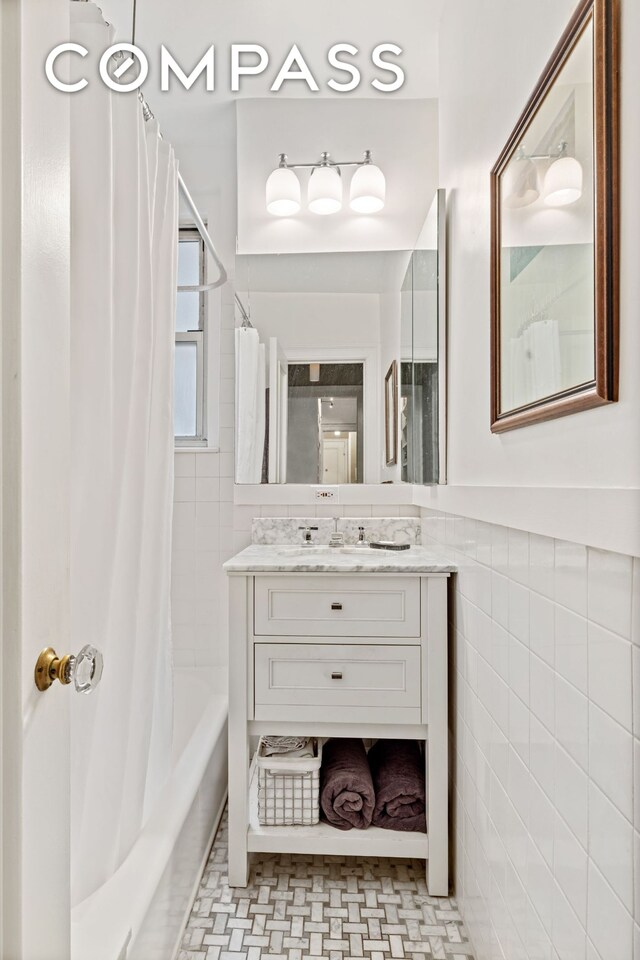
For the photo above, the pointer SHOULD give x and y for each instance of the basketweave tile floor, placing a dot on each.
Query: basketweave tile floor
(299, 907)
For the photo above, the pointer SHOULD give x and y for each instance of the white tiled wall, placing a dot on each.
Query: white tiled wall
(545, 647)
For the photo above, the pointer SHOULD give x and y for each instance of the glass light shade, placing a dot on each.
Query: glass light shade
(325, 191)
(368, 189)
(283, 193)
(563, 182)
(314, 372)
(520, 187)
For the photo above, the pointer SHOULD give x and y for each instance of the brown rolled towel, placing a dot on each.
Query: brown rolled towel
(397, 769)
(346, 790)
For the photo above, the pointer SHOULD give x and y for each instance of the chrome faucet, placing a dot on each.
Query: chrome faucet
(337, 539)
(307, 541)
(361, 540)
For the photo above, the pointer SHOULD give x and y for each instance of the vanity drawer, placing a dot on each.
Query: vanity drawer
(301, 681)
(340, 606)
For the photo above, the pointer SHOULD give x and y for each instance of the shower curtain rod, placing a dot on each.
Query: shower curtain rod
(148, 114)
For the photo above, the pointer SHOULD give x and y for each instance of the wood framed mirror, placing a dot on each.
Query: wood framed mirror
(554, 234)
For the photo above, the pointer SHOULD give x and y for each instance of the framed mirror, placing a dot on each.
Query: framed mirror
(554, 270)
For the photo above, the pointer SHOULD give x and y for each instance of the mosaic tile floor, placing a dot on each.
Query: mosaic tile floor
(321, 908)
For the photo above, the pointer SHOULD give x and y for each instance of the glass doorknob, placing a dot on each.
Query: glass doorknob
(84, 670)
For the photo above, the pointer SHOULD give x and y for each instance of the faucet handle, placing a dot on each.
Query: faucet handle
(307, 533)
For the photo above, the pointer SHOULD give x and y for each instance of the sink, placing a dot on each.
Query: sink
(363, 551)
(297, 550)
(322, 550)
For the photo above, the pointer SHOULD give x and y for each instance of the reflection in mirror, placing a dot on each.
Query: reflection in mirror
(552, 284)
(547, 244)
(420, 396)
(325, 413)
(329, 326)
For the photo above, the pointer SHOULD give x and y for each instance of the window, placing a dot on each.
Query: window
(189, 381)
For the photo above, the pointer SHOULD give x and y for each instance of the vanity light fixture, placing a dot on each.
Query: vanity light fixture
(368, 187)
(521, 186)
(367, 192)
(324, 195)
(283, 190)
(314, 372)
(561, 185)
(563, 182)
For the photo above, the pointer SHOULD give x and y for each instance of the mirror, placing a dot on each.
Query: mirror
(312, 402)
(422, 393)
(554, 212)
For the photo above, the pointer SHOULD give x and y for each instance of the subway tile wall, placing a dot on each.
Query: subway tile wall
(545, 709)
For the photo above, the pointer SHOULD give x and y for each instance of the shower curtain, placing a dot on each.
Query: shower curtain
(250, 405)
(123, 292)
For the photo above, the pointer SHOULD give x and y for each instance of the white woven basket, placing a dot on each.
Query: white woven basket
(288, 789)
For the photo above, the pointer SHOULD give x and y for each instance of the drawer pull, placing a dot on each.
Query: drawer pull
(336, 606)
(336, 675)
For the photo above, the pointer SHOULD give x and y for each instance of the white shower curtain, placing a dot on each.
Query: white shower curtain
(123, 292)
(250, 405)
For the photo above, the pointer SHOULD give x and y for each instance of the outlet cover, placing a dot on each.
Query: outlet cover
(326, 494)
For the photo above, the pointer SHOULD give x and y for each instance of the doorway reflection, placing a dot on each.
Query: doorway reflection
(325, 438)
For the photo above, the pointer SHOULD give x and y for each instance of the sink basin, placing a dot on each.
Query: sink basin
(295, 550)
(362, 551)
(322, 550)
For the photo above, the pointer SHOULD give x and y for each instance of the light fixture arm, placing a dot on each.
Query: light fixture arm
(560, 152)
(324, 162)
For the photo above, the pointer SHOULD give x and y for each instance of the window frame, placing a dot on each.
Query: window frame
(189, 233)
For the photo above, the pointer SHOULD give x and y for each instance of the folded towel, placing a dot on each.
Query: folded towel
(397, 770)
(346, 790)
(289, 746)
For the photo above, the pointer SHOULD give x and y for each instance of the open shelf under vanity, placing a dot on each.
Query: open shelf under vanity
(324, 839)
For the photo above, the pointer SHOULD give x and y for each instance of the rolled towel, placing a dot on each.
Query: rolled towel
(346, 789)
(397, 770)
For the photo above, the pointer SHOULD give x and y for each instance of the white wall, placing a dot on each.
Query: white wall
(545, 626)
(304, 321)
(545, 682)
(403, 138)
(491, 54)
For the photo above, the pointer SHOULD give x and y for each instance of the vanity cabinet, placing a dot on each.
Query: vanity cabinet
(325, 654)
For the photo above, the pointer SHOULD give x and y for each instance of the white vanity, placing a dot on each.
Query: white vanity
(338, 643)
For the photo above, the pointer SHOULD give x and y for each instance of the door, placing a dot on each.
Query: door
(335, 461)
(34, 451)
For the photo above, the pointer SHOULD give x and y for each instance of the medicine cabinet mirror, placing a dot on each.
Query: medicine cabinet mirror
(554, 235)
(310, 370)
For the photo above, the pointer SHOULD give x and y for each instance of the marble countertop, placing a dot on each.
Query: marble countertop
(280, 558)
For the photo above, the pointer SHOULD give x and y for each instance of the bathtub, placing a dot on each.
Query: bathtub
(140, 912)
